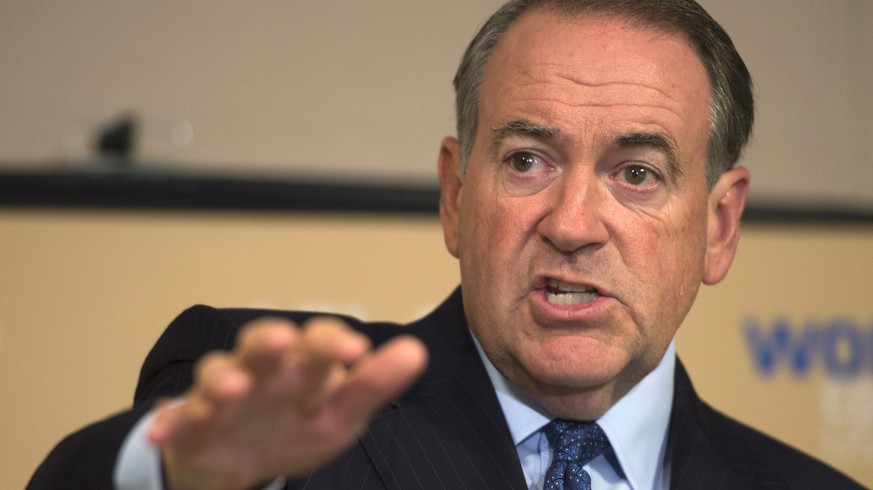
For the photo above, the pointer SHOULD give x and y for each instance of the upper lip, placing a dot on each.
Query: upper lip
(545, 281)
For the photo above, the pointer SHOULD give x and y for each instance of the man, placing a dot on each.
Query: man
(591, 190)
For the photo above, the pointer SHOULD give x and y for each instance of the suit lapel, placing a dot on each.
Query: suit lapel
(704, 449)
(449, 430)
(694, 462)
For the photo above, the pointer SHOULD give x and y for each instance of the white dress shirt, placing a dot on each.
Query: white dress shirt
(636, 427)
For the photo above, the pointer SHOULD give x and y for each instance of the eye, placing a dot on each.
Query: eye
(524, 162)
(637, 175)
(526, 171)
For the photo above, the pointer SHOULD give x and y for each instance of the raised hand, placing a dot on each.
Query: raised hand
(284, 402)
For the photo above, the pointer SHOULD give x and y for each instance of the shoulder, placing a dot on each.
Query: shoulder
(216, 327)
(769, 454)
(200, 329)
(86, 458)
(704, 436)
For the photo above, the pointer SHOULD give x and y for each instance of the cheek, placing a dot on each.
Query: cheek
(665, 256)
(478, 248)
(678, 235)
(494, 228)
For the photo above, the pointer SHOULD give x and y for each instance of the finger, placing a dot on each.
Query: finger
(330, 340)
(163, 423)
(262, 344)
(179, 416)
(383, 377)
(220, 377)
(219, 388)
(328, 346)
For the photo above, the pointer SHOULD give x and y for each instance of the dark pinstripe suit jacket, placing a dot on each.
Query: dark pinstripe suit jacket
(447, 432)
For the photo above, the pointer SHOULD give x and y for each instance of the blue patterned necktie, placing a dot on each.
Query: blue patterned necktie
(573, 444)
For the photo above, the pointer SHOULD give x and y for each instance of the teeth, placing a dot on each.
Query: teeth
(565, 299)
(566, 287)
(564, 293)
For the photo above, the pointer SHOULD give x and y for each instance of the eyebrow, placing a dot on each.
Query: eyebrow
(520, 127)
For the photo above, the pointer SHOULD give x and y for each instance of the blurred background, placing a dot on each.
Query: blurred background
(283, 153)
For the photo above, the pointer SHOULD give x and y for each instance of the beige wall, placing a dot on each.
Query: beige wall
(363, 89)
(84, 295)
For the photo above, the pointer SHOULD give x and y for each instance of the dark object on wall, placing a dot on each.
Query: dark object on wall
(116, 141)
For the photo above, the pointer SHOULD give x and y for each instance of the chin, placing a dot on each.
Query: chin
(581, 393)
(576, 378)
(575, 371)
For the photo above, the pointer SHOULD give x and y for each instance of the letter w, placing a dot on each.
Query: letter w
(780, 346)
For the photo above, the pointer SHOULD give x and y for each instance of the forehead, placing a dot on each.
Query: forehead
(557, 69)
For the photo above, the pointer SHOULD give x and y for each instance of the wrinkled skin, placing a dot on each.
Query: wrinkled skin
(587, 173)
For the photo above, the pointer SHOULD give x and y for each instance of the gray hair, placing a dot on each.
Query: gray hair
(732, 103)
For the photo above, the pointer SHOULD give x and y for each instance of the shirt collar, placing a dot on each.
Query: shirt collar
(636, 425)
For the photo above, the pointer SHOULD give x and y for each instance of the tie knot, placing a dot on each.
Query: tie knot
(577, 442)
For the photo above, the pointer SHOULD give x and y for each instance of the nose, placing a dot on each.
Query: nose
(575, 212)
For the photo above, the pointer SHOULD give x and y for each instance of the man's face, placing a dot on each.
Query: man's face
(583, 224)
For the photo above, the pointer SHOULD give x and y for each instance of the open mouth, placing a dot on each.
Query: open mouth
(566, 294)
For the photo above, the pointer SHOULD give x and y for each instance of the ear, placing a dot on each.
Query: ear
(727, 199)
(450, 191)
